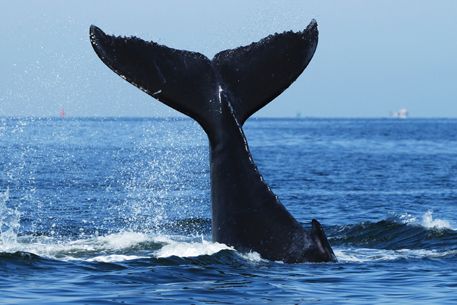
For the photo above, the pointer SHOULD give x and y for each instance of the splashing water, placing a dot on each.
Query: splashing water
(162, 179)
(430, 223)
(427, 221)
(9, 222)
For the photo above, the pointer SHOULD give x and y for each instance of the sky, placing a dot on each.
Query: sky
(373, 56)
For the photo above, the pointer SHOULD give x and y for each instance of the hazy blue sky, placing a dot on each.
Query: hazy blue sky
(373, 56)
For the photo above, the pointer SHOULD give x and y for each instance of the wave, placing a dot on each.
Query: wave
(127, 247)
(81, 249)
(367, 255)
(400, 237)
(116, 247)
(401, 232)
(20, 256)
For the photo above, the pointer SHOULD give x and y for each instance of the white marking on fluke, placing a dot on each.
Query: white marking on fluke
(220, 91)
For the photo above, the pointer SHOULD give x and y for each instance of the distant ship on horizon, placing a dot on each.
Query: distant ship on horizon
(400, 114)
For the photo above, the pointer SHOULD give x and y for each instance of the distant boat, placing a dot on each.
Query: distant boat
(400, 114)
(62, 113)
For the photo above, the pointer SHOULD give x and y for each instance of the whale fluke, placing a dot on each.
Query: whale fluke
(254, 74)
(221, 94)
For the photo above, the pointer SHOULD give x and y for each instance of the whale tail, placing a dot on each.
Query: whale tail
(190, 83)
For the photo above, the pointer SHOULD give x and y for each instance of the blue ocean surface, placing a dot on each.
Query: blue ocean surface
(117, 211)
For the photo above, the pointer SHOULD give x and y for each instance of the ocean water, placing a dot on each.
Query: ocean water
(117, 211)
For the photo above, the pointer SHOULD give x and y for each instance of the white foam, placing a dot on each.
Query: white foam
(123, 240)
(113, 247)
(430, 223)
(363, 255)
(69, 250)
(252, 257)
(190, 249)
(114, 258)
